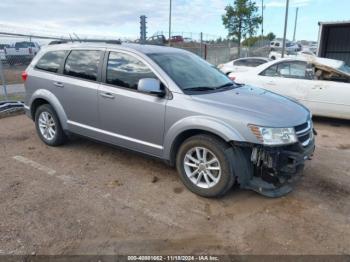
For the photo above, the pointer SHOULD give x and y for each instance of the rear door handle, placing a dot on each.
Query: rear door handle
(107, 95)
(58, 84)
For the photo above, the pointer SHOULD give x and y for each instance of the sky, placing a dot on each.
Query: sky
(120, 18)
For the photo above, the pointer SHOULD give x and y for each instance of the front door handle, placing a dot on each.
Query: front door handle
(107, 95)
(58, 84)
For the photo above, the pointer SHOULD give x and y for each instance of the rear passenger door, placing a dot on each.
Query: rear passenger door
(128, 117)
(78, 86)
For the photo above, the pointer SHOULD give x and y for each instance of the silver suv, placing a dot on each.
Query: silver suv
(170, 104)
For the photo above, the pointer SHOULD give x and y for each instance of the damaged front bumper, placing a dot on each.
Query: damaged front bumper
(276, 169)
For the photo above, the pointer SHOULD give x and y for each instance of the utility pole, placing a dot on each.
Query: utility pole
(262, 18)
(169, 39)
(285, 28)
(295, 23)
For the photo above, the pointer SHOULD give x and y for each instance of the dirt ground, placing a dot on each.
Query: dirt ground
(89, 198)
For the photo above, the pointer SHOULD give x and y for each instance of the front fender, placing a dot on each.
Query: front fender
(54, 102)
(204, 123)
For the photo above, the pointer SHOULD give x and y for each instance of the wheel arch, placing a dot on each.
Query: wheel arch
(41, 97)
(192, 126)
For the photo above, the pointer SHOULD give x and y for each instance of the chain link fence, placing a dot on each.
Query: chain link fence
(17, 50)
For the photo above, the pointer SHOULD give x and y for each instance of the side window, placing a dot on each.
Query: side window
(125, 70)
(83, 64)
(292, 69)
(240, 62)
(271, 71)
(255, 62)
(51, 61)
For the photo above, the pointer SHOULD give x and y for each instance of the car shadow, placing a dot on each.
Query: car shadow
(331, 121)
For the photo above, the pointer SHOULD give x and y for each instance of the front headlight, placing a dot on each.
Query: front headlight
(274, 136)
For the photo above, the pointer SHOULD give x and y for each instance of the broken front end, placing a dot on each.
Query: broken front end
(273, 170)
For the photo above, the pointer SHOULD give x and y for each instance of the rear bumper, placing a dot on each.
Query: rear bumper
(277, 169)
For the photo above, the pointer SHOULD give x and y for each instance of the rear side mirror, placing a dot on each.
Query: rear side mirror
(151, 86)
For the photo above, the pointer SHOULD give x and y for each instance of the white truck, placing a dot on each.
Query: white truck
(2, 51)
(21, 52)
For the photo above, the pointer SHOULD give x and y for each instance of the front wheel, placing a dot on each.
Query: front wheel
(204, 166)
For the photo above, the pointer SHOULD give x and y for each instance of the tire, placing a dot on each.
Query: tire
(215, 147)
(56, 139)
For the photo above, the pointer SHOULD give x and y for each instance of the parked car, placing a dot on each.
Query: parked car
(157, 40)
(241, 64)
(173, 105)
(322, 85)
(2, 51)
(21, 52)
(273, 55)
(177, 39)
(290, 46)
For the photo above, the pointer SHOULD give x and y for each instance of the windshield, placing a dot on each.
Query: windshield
(344, 68)
(190, 72)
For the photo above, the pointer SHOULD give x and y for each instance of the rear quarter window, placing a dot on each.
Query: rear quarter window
(51, 61)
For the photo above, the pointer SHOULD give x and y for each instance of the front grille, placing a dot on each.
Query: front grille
(301, 127)
(304, 133)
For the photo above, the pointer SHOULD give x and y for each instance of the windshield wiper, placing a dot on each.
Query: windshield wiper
(199, 88)
(225, 85)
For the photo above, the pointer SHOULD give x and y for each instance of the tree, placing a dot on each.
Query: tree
(241, 20)
(251, 41)
(270, 36)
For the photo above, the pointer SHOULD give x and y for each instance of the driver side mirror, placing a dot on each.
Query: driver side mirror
(150, 86)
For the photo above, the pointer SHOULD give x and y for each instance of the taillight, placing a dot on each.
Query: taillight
(233, 78)
(24, 76)
(30, 50)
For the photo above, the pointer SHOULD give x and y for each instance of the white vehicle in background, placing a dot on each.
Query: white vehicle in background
(2, 51)
(242, 64)
(273, 55)
(21, 52)
(290, 46)
(321, 84)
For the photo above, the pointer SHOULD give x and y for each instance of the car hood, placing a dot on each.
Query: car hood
(258, 106)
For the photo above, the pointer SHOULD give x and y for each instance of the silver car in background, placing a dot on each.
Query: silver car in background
(170, 104)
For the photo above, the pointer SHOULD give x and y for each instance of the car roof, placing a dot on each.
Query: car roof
(253, 57)
(146, 49)
(308, 59)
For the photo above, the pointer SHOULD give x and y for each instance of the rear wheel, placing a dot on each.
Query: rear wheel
(48, 126)
(204, 166)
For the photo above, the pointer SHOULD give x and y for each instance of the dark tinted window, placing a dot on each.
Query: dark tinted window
(255, 62)
(3, 46)
(24, 44)
(126, 71)
(249, 62)
(51, 61)
(83, 64)
(242, 62)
